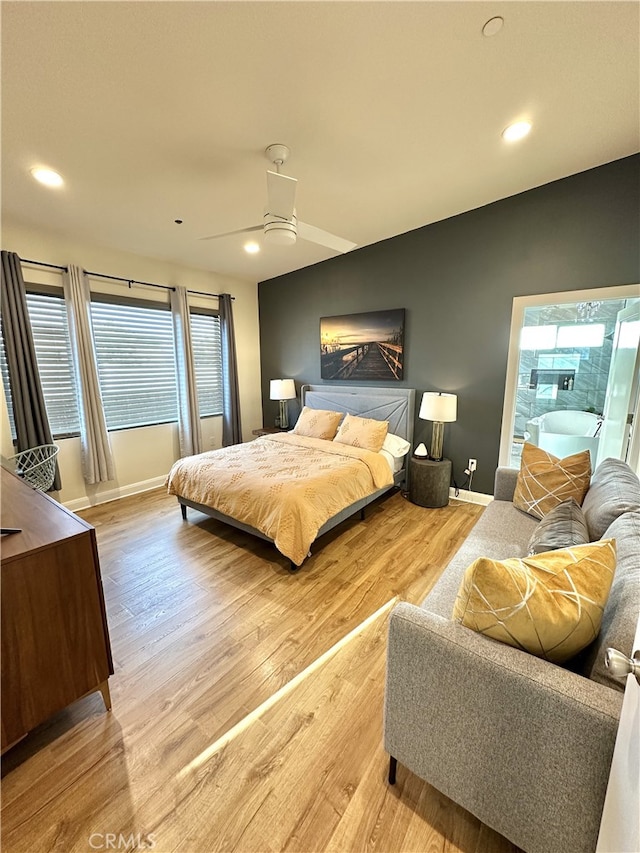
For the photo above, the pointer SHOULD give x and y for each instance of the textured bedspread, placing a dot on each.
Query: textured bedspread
(286, 486)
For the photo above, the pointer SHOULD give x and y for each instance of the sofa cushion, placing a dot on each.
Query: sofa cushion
(367, 433)
(614, 490)
(501, 531)
(550, 605)
(623, 607)
(544, 481)
(317, 423)
(563, 527)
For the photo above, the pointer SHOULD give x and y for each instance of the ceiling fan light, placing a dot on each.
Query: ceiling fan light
(281, 233)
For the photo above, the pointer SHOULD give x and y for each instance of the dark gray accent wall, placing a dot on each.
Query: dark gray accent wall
(457, 279)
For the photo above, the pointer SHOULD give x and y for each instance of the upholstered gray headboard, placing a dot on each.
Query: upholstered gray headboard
(395, 405)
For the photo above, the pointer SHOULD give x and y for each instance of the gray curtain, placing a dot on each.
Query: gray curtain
(97, 459)
(189, 431)
(29, 412)
(231, 427)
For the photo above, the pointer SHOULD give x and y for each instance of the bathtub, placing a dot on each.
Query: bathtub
(565, 432)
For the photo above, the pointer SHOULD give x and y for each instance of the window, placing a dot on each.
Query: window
(48, 316)
(136, 363)
(207, 356)
(135, 356)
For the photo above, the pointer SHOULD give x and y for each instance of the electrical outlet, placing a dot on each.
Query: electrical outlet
(473, 464)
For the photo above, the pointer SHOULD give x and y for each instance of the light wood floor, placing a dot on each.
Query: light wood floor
(242, 719)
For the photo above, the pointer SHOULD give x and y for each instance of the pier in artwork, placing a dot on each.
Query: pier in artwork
(362, 347)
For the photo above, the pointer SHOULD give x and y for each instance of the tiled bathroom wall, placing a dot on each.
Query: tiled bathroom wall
(573, 378)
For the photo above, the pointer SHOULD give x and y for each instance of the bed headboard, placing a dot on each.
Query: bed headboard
(395, 405)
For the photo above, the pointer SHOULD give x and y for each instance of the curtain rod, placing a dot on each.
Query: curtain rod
(204, 293)
(128, 281)
(131, 281)
(42, 264)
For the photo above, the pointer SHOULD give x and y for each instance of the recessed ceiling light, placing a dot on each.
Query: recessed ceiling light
(516, 131)
(493, 26)
(47, 177)
(251, 248)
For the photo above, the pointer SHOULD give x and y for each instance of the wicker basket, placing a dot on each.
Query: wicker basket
(37, 466)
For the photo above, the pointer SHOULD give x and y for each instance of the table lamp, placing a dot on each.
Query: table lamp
(283, 390)
(439, 408)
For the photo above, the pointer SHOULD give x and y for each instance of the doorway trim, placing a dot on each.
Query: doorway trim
(520, 303)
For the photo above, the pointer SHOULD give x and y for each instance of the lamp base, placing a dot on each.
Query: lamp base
(284, 414)
(437, 437)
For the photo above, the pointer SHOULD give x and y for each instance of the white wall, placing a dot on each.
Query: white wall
(144, 455)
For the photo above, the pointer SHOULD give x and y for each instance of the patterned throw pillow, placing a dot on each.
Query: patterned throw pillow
(563, 527)
(550, 605)
(544, 481)
(317, 423)
(367, 433)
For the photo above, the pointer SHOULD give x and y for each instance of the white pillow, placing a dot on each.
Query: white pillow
(396, 446)
(394, 463)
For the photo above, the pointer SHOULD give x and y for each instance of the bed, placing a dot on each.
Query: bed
(290, 490)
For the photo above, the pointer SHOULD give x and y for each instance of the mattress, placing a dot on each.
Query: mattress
(286, 486)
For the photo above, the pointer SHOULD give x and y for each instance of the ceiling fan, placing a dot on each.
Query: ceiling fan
(280, 224)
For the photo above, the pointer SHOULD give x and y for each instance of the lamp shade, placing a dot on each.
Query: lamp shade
(440, 407)
(282, 389)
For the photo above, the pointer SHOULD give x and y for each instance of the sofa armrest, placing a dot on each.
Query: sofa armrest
(521, 743)
(505, 484)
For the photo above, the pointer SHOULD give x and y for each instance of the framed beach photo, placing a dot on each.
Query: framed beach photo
(363, 347)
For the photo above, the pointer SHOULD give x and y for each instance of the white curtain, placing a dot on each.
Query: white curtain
(97, 459)
(189, 431)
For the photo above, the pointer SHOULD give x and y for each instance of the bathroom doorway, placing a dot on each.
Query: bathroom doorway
(572, 374)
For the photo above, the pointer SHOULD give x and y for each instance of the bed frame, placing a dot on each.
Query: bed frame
(396, 405)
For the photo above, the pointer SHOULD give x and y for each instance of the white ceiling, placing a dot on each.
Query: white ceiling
(154, 111)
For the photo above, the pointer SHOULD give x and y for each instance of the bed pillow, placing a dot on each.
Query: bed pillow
(367, 433)
(544, 481)
(394, 463)
(549, 605)
(317, 423)
(563, 527)
(395, 445)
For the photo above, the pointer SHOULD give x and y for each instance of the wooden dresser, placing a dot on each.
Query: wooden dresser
(55, 639)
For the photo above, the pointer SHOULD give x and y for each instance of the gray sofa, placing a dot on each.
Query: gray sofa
(523, 744)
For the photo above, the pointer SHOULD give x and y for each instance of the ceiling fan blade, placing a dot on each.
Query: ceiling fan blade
(229, 233)
(281, 194)
(323, 238)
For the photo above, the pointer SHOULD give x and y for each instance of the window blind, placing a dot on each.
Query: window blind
(207, 356)
(48, 316)
(136, 363)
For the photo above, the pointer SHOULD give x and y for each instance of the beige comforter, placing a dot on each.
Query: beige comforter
(286, 486)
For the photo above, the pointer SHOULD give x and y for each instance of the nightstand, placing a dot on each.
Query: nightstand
(267, 430)
(429, 481)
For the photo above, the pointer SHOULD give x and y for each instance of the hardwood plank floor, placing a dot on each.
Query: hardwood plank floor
(247, 701)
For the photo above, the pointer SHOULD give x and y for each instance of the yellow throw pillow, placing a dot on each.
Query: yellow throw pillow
(367, 433)
(550, 604)
(544, 481)
(317, 423)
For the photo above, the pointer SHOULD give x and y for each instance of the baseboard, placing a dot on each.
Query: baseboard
(471, 497)
(113, 494)
(146, 485)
